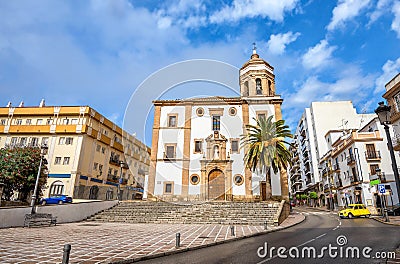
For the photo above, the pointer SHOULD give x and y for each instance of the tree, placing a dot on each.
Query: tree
(18, 170)
(265, 148)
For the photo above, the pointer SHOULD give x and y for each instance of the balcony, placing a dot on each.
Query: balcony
(381, 176)
(116, 179)
(112, 178)
(372, 155)
(297, 183)
(396, 142)
(336, 167)
(394, 114)
(353, 178)
(350, 160)
(339, 184)
(114, 160)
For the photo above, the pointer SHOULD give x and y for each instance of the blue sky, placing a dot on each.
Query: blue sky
(97, 52)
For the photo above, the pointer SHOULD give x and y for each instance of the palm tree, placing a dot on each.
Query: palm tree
(265, 148)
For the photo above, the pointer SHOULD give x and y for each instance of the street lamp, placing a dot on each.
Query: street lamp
(1, 191)
(43, 151)
(383, 112)
(121, 165)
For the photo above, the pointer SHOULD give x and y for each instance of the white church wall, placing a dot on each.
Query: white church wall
(167, 172)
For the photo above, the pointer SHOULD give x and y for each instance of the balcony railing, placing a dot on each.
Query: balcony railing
(336, 167)
(350, 159)
(112, 178)
(372, 155)
(396, 142)
(353, 178)
(114, 160)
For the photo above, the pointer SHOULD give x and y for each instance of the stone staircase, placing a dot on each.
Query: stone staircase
(243, 213)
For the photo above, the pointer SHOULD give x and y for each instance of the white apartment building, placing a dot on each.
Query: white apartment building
(355, 158)
(315, 122)
(392, 95)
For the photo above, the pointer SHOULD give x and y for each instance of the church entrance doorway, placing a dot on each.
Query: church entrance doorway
(216, 185)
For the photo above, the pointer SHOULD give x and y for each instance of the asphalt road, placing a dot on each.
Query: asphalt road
(335, 240)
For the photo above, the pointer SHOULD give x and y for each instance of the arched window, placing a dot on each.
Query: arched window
(270, 92)
(246, 88)
(109, 194)
(94, 191)
(258, 86)
(56, 188)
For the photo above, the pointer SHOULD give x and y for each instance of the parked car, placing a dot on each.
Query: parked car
(354, 210)
(56, 199)
(394, 210)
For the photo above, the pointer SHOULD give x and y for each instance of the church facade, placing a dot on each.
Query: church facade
(196, 146)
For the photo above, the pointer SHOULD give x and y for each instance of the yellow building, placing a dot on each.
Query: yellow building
(84, 150)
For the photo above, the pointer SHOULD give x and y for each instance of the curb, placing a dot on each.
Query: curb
(177, 251)
(383, 222)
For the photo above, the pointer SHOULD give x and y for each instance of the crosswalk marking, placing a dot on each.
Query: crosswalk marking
(317, 213)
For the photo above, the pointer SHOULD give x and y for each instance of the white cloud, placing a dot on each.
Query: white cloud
(277, 43)
(184, 13)
(164, 22)
(350, 84)
(318, 56)
(390, 69)
(239, 9)
(346, 10)
(381, 8)
(396, 21)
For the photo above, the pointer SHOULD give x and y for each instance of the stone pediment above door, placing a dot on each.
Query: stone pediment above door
(216, 146)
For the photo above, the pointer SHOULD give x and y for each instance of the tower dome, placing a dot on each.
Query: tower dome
(257, 77)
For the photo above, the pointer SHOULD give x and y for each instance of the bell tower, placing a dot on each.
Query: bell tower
(257, 77)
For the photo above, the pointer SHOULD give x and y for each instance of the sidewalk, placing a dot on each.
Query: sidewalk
(393, 220)
(96, 242)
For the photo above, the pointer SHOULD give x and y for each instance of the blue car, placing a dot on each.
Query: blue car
(56, 199)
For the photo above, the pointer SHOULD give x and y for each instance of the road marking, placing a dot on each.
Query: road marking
(305, 243)
(336, 228)
(320, 236)
(218, 234)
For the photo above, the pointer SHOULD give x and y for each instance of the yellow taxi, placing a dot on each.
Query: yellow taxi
(354, 210)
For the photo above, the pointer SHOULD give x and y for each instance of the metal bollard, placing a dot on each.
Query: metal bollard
(178, 240)
(67, 250)
(386, 215)
(265, 225)
(232, 230)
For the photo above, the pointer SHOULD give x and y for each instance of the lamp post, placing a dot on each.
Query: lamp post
(1, 191)
(121, 165)
(383, 112)
(331, 202)
(43, 151)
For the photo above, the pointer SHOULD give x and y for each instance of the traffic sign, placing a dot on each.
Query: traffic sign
(381, 188)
